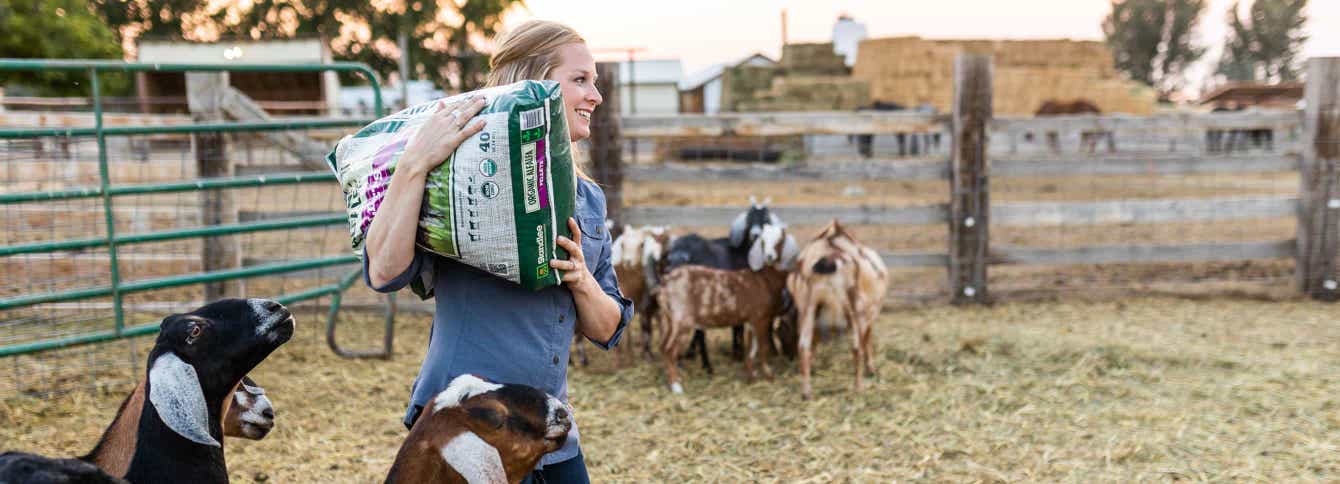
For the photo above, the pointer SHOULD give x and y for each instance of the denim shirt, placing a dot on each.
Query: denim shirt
(491, 327)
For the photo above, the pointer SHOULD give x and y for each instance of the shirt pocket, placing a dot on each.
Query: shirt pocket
(593, 236)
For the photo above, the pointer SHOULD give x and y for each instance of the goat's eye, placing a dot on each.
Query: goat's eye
(193, 333)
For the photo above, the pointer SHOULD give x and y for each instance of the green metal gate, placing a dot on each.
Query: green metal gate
(108, 193)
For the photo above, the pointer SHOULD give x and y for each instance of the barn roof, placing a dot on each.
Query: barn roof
(704, 76)
(1291, 90)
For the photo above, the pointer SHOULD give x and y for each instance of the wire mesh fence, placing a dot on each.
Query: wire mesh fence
(862, 180)
(1159, 203)
(64, 163)
(1180, 203)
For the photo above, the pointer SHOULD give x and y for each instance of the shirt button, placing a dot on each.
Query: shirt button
(562, 318)
(555, 359)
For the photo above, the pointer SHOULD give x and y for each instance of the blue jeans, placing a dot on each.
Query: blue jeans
(571, 471)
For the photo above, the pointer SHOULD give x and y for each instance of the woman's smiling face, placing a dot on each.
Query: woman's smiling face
(576, 73)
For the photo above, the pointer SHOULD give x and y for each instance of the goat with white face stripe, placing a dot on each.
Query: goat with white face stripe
(481, 432)
(193, 368)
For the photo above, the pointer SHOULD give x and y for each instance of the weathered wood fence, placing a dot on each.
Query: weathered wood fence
(983, 147)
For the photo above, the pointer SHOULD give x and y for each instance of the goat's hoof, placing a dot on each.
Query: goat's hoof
(676, 388)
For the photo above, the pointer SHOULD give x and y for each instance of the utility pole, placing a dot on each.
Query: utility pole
(632, 85)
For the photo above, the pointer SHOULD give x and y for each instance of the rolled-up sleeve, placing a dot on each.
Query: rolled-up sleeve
(609, 283)
(414, 270)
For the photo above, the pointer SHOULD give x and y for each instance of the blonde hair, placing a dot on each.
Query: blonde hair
(530, 51)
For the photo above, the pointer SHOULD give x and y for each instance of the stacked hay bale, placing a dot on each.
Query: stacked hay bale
(914, 72)
(810, 77)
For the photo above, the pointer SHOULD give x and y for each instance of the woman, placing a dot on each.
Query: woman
(485, 325)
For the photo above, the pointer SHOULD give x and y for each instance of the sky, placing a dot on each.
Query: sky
(703, 32)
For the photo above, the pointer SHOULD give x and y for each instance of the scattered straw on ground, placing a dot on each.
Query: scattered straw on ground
(1142, 389)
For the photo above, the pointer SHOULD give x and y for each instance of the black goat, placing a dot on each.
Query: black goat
(196, 362)
(19, 467)
(193, 368)
(727, 253)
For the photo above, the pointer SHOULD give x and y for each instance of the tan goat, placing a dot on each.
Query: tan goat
(635, 252)
(836, 274)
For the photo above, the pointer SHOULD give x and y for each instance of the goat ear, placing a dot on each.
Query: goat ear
(756, 255)
(491, 415)
(737, 229)
(174, 391)
(474, 459)
(789, 251)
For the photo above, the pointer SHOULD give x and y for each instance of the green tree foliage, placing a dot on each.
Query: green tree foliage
(1266, 45)
(38, 29)
(441, 35)
(1151, 39)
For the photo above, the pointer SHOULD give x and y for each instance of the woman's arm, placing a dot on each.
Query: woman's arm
(598, 315)
(390, 242)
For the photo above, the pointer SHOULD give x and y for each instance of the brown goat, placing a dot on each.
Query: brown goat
(633, 253)
(481, 432)
(845, 279)
(247, 415)
(701, 297)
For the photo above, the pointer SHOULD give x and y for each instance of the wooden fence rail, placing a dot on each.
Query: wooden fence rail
(1177, 144)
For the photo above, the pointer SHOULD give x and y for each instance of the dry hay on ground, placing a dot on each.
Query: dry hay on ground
(1140, 389)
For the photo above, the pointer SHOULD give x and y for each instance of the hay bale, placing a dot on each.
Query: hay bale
(913, 71)
(815, 59)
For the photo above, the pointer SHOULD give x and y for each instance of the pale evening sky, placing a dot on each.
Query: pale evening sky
(703, 32)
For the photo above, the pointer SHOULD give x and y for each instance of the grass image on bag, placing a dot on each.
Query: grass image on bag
(498, 203)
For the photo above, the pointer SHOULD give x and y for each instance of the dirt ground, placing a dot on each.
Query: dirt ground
(1137, 389)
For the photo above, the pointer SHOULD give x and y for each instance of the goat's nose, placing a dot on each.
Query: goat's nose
(268, 413)
(273, 306)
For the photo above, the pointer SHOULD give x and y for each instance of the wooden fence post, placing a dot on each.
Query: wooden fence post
(205, 92)
(1319, 202)
(969, 207)
(607, 142)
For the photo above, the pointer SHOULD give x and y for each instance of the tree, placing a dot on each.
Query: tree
(1267, 48)
(356, 30)
(479, 18)
(40, 29)
(1151, 40)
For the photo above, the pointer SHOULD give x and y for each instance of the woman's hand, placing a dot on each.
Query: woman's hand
(442, 133)
(575, 274)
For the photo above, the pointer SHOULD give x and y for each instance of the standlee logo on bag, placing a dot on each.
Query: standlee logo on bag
(497, 204)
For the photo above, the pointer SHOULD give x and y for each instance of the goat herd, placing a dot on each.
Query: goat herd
(171, 427)
(758, 278)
